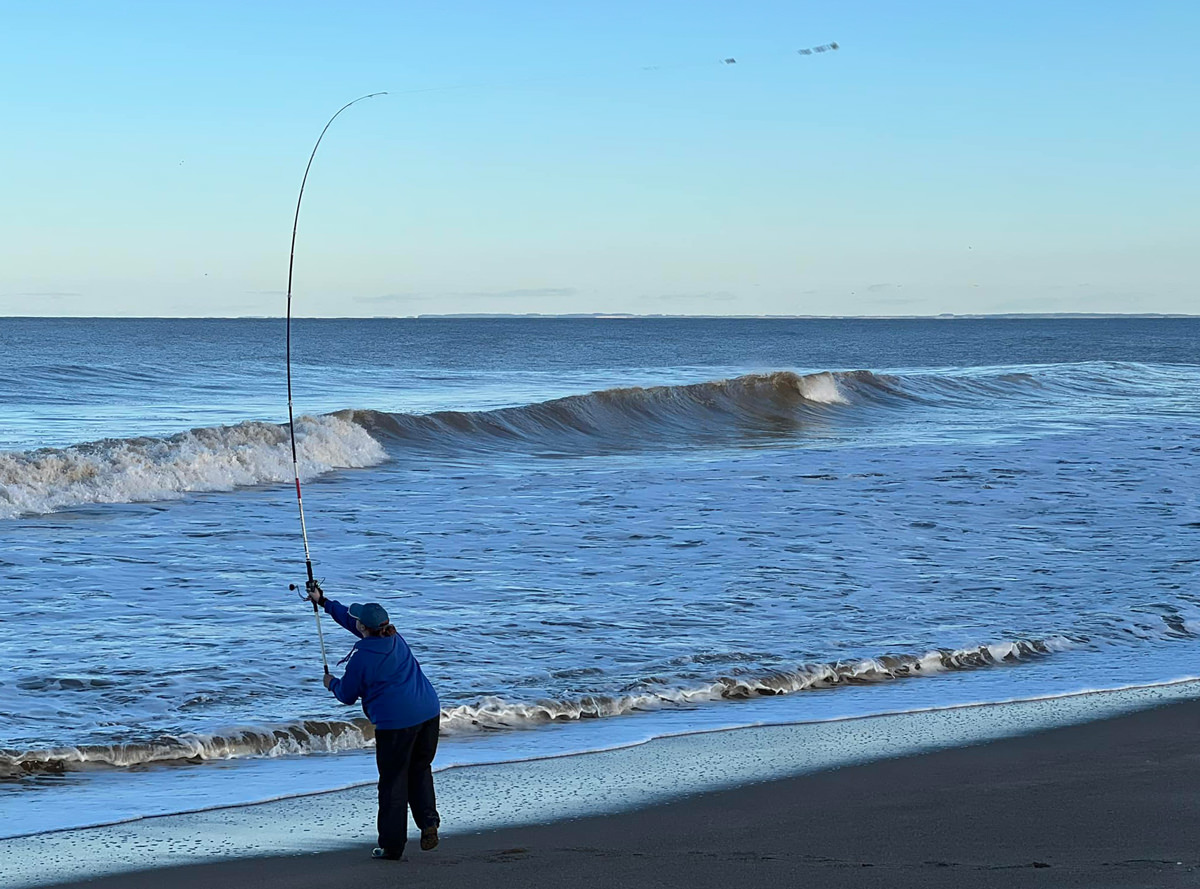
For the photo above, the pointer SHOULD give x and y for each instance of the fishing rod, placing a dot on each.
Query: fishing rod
(311, 584)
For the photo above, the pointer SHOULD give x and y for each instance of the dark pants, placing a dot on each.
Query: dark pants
(405, 759)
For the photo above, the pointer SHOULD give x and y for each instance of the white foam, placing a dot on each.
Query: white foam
(821, 388)
(495, 712)
(285, 739)
(213, 459)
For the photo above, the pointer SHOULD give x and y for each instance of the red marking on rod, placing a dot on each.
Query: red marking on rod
(297, 489)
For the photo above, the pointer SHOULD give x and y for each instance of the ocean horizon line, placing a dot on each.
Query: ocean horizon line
(620, 316)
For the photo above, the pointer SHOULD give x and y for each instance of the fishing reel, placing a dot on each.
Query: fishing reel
(314, 584)
(304, 591)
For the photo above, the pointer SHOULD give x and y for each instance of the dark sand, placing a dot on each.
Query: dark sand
(1111, 803)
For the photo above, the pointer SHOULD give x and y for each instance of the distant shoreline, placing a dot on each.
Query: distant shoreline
(617, 316)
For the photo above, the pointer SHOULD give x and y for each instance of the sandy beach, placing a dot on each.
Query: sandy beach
(1106, 803)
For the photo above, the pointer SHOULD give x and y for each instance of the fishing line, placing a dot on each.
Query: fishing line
(312, 583)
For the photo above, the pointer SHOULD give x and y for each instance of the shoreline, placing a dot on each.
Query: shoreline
(480, 801)
(1151, 687)
(1106, 803)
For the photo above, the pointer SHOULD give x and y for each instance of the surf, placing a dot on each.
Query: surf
(496, 713)
(746, 411)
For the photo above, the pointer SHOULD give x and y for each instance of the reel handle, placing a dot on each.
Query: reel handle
(303, 593)
(317, 615)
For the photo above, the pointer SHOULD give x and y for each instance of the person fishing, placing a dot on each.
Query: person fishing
(404, 708)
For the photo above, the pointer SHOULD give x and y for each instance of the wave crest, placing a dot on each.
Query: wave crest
(765, 404)
(751, 409)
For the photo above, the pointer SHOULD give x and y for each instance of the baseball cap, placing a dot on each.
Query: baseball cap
(372, 614)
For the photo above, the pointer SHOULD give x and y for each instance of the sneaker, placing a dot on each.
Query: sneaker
(385, 854)
(429, 839)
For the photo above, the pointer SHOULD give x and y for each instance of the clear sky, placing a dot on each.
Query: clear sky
(950, 157)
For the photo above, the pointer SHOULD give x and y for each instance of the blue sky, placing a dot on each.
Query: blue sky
(950, 157)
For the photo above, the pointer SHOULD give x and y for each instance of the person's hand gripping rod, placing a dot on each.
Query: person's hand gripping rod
(314, 594)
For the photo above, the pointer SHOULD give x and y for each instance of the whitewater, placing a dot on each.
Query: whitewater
(591, 533)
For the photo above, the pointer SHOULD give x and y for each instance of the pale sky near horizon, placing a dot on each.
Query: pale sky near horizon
(950, 157)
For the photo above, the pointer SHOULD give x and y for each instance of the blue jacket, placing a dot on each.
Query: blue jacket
(383, 672)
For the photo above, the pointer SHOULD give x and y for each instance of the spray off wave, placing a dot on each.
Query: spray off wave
(496, 713)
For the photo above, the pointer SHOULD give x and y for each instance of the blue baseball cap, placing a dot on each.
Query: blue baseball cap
(372, 615)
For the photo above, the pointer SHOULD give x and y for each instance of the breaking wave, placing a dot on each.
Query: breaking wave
(225, 457)
(781, 403)
(751, 409)
(303, 737)
(496, 713)
(213, 459)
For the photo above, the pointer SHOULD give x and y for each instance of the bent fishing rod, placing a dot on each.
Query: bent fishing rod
(311, 584)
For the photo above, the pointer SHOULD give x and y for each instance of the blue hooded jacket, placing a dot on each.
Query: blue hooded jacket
(383, 672)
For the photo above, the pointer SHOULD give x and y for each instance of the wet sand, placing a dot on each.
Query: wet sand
(1103, 804)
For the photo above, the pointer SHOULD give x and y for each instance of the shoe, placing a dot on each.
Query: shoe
(429, 839)
(385, 854)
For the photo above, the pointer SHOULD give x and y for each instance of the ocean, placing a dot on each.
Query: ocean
(592, 532)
